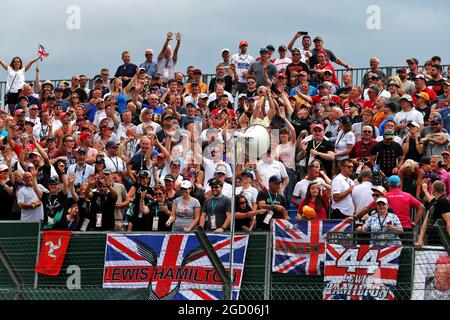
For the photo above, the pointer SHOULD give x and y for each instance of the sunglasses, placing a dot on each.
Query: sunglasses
(184, 189)
(317, 130)
(159, 193)
(374, 195)
(367, 131)
(70, 140)
(104, 186)
(215, 187)
(242, 202)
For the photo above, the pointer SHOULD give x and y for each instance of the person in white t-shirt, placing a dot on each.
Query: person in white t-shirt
(16, 79)
(282, 62)
(362, 193)
(240, 63)
(407, 115)
(211, 165)
(250, 193)
(268, 167)
(314, 174)
(342, 186)
(345, 141)
(29, 198)
(220, 173)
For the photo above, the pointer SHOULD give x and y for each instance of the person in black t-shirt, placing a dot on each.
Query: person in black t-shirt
(318, 148)
(388, 154)
(135, 194)
(437, 81)
(103, 204)
(54, 204)
(245, 216)
(6, 191)
(293, 69)
(83, 204)
(153, 215)
(274, 202)
(440, 209)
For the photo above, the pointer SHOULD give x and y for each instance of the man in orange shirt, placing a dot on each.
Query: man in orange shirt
(379, 115)
(197, 77)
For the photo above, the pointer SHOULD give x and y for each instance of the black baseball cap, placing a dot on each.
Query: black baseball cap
(275, 179)
(53, 180)
(215, 182)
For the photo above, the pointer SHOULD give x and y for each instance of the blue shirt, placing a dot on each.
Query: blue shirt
(150, 67)
(445, 113)
(312, 91)
(121, 102)
(383, 123)
(91, 113)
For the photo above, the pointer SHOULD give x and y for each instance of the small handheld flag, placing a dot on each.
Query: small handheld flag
(41, 52)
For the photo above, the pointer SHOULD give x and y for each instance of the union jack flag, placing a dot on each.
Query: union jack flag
(299, 246)
(171, 267)
(362, 272)
(41, 52)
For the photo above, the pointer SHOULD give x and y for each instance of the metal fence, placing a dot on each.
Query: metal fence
(357, 75)
(86, 255)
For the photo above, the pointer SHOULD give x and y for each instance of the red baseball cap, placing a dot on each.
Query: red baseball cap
(317, 125)
(243, 43)
(282, 74)
(19, 112)
(85, 135)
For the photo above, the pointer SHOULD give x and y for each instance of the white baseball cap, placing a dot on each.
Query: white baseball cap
(384, 200)
(186, 184)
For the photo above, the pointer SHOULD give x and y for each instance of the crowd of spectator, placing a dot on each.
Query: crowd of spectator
(149, 148)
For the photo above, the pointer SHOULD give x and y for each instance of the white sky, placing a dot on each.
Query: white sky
(408, 29)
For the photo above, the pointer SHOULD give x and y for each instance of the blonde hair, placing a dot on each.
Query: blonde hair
(409, 164)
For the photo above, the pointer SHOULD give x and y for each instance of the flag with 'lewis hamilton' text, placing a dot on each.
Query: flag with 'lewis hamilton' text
(171, 266)
(361, 272)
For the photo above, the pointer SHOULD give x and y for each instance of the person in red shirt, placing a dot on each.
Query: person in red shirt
(361, 149)
(422, 87)
(373, 96)
(354, 97)
(402, 203)
(324, 90)
(315, 199)
(324, 65)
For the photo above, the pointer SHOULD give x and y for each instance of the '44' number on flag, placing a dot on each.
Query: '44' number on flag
(350, 260)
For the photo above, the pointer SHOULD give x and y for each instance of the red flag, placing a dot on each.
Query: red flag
(53, 250)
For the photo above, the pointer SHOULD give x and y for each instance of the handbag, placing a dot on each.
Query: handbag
(7, 94)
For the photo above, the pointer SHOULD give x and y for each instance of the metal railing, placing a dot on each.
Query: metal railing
(357, 76)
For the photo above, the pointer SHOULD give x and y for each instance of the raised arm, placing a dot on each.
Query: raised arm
(29, 64)
(177, 47)
(166, 44)
(3, 64)
(291, 44)
(75, 196)
(37, 84)
(40, 150)
(130, 84)
(36, 188)
(288, 124)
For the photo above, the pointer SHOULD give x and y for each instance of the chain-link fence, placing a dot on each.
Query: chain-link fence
(422, 274)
